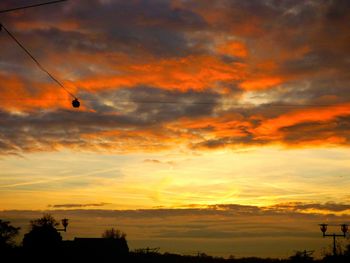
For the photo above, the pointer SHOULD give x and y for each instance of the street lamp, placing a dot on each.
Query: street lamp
(64, 224)
(343, 227)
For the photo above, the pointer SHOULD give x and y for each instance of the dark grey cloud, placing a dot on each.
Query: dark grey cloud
(338, 9)
(229, 210)
(124, 26)
(214, 229)
(71, 206)
(272, 30)
(320, 91)
(154, 105)
(309, 131)
(214, 234)
(144, 109)
(173, 104)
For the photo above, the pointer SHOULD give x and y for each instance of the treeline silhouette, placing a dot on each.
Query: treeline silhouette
(43, 243)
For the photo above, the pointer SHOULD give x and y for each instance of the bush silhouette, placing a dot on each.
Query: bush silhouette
(7, 234)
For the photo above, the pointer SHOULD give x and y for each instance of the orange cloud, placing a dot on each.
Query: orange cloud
(261, 83)
(17, 95)
(270, 128)
(233, 48)
(179, 55)
(39, 25)
(192, 72)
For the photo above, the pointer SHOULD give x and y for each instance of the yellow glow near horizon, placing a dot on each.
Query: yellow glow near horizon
(257, 176)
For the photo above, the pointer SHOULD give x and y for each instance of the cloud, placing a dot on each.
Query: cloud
(212, 229)
(77, 205)
(155, 75)
(305, 207)
(151, 161)
(138, 127)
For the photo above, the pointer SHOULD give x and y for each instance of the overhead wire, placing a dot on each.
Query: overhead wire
(75, 102)
(36, 61)
(186, 102)
(152, 101)
(41, 67)
(30, 6)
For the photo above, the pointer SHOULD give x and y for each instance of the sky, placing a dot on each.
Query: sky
(216, 126)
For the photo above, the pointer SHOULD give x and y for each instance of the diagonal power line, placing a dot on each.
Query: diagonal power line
(153, 101)
(30, 6)
(36, 61)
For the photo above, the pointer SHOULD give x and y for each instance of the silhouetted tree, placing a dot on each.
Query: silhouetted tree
(7, 234)
(114, 233)
(43, 235)
(119, 237)
(46, 221)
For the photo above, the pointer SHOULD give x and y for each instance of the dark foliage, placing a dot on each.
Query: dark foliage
(43, 236)
(114, 234)
(7, 234)
(43, 243)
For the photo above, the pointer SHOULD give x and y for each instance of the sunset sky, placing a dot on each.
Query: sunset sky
(217, 126)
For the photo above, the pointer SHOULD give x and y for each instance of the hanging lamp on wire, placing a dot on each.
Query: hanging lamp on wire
(75, 101)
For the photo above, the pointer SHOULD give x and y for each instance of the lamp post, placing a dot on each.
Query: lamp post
(343, 227)
(64, 224)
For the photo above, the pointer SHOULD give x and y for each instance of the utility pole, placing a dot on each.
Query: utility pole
(343, 227)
